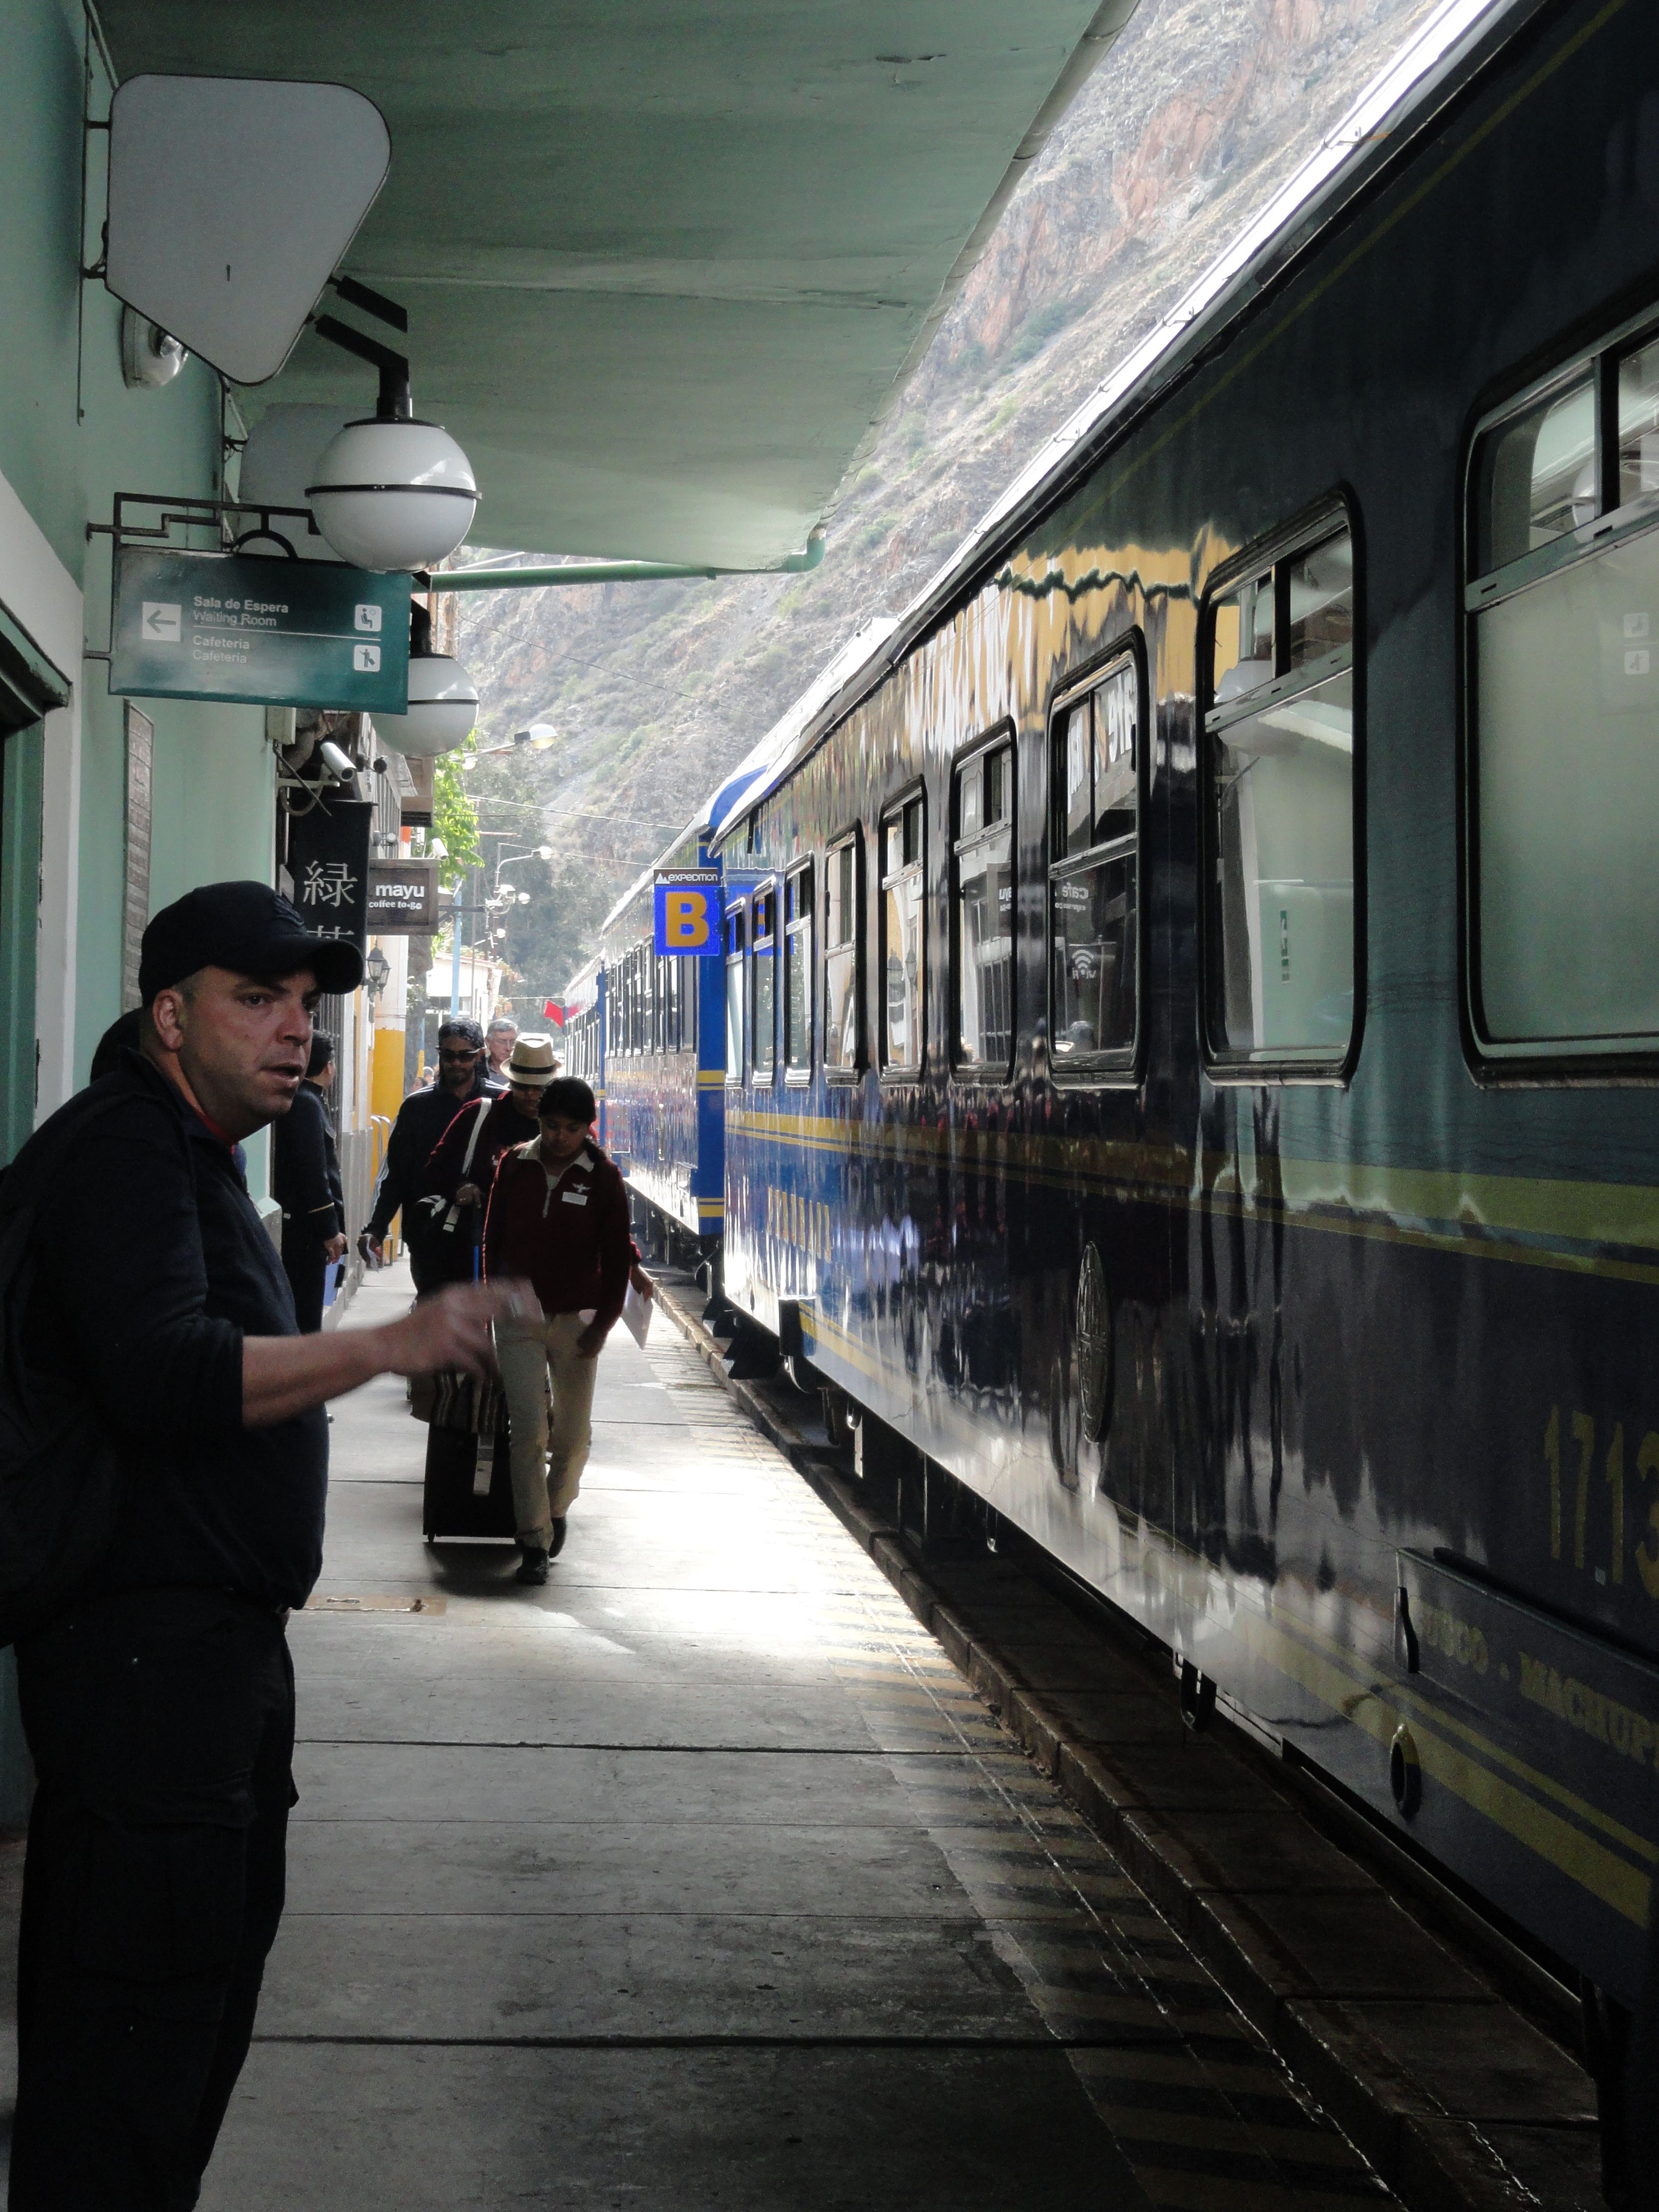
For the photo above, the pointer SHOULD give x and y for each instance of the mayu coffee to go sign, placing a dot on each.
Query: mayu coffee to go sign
(271, 632)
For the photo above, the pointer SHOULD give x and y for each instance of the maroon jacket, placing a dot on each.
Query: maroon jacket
(565, 1233)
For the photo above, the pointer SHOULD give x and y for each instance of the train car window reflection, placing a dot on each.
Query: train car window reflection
(1540, 477)
(1319, 601)
(984, 913)
(734, 964)
(903, 975)
(1564, 666)
(1638, 422)
(798, 973)
(1094, 889)
(840, 957)
(1242, 634)
(1280, 980)
(763, 1012)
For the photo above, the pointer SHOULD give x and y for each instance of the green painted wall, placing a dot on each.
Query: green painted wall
(71, 436)
(20, 861)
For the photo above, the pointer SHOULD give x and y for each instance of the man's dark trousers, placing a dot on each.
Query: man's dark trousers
(162, 1727)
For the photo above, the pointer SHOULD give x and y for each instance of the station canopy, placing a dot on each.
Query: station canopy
(665, 265)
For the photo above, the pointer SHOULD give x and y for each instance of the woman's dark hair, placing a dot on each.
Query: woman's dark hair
(568, 1098)
(122, 1035)
(322, 1054)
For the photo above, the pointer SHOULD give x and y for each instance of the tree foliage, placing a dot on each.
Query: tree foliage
(454, 818)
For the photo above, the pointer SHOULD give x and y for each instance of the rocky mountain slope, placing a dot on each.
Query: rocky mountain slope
(1196, 116)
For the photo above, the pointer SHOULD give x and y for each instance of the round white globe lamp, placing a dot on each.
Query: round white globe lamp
(443, 706)
(394, 495)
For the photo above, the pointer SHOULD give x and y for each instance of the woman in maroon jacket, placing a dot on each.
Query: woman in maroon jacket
(557, 1219)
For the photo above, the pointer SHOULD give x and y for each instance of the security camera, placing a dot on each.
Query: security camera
(340, 765)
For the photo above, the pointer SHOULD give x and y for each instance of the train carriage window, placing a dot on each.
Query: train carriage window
(736, 932)
(1094, 881)
(1279, 759)
(842, 942)
(764, 1007)
(1563, 665)
(903, 974)
(797, 974)
(983, 913)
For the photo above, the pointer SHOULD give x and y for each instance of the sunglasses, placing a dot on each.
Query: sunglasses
(459, 1059)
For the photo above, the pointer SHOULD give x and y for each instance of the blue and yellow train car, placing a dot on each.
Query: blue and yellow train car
(1191, 996)
(659, 1037)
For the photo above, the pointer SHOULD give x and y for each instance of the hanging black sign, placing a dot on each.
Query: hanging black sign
(403, 897)
(328, 860)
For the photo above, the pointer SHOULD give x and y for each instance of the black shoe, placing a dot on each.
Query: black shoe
(533, 1567)
(556, 1541)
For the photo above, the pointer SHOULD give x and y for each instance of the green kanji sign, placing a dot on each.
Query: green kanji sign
(271, 632)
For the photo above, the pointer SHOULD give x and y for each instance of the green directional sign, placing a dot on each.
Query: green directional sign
(273, 632)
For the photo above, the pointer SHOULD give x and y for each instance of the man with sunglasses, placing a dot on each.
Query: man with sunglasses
(422, 1121)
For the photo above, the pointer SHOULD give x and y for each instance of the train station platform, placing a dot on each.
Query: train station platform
(703, 1878)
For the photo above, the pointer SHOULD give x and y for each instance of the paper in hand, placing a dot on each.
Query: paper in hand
(636, 1316)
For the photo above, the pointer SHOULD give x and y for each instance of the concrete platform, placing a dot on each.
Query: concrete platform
(1449, 2057)
(703, 1878)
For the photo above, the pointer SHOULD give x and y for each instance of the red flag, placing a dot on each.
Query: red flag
(553, 1011)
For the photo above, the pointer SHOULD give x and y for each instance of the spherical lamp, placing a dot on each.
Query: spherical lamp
(443, 706)
(393, 494)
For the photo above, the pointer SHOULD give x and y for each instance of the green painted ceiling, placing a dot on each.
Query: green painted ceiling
(665, 263)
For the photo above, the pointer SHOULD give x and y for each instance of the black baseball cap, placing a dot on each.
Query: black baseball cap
(247, 928)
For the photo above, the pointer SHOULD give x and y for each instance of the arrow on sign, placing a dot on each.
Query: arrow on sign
(160, 624)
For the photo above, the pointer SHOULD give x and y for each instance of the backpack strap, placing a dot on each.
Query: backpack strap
(478, 1121)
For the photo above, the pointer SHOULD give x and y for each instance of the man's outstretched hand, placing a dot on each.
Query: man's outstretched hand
(282, 1376)
(452, 1330)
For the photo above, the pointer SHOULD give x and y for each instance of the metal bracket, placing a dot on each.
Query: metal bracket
(181, 510)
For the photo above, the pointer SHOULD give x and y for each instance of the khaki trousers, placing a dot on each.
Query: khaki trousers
(547, 1465)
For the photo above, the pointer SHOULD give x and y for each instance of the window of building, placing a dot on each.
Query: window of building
(736, 936)
(1563, 659)
(903, 974)
(983, 913)
(798, 974)
(1094, 875)
(842, 944)
(1278, 737)
(764, 1002)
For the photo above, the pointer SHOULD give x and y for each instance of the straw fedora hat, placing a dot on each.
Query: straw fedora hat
(532, 1062)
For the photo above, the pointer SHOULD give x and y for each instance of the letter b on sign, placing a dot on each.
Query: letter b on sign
(687, 918)
(686, 921)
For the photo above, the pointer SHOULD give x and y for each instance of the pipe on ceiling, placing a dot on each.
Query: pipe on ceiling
(613, 571)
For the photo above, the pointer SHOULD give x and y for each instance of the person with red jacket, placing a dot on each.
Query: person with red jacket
(557, 1219)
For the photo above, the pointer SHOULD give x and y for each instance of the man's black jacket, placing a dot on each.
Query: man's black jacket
(153, 1265)
(422, 1120)
(301, 1149)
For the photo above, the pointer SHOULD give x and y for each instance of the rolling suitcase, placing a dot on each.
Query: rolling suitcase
(469, 1489)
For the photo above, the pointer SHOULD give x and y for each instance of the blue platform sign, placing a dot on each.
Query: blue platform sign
(686, 913)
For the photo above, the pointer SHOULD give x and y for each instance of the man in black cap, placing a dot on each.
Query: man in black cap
(159, 1701)
(424, 1115)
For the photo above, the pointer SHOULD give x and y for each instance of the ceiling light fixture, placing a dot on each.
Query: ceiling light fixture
(390, 491)
(443, 700)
